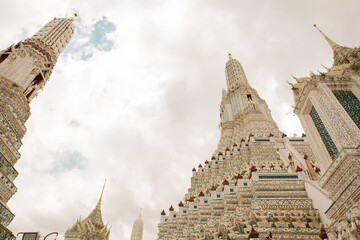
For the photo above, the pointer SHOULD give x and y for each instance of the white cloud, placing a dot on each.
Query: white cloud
(143, 114)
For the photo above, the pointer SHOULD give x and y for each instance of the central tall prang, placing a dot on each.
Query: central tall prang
(255, 180)
(242, 111)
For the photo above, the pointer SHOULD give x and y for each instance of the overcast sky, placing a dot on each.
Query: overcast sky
(135, 97)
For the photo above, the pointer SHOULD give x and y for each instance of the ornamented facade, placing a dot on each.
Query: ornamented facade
(256, 180)
(329, 109)
(138, 228)
(91, 228)
(25, 68)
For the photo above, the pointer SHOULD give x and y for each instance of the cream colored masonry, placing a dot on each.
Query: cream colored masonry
(28, 64)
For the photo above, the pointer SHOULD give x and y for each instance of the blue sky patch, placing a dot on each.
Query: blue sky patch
(98, 36)
(87, 40)
(68, 161)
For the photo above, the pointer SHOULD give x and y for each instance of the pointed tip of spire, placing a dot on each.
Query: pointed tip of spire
(331, 43)
(230, 56)
(98, 206)
(315, 26)
(140, 214)
(72, 18)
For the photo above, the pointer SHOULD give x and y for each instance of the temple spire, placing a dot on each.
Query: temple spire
(94, 223)
(331, 43)
(342, 55)
(98, 206)
(138, 228)
(235, 75)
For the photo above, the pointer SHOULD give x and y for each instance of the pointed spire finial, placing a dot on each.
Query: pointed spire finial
(98, 206)
(230, 56)
(325, 67)
(292, 85)
(140, 213)
(330, 42)
(294, 77)
(73, 17)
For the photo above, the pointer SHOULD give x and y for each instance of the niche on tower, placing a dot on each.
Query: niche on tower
(36, 81)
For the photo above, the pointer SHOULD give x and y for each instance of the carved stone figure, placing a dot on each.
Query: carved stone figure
(297, 221)
(331, 233)
(353, 230)
(281, 222)
(355, 215)
(252, 104)
(247, 221)
(341, 229)
(315, 220)
(261, 218)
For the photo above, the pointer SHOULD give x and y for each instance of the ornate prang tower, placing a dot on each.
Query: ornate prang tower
(329, 109)
(92, 227)
(24, 69)
(242, 111)
(256, 180)
(138, 228)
